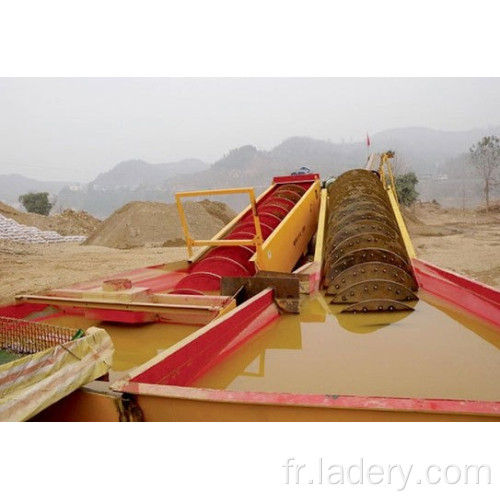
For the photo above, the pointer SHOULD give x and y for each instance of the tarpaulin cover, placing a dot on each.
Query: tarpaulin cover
(32, 383)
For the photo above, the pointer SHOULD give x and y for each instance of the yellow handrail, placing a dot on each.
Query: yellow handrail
(190, 242)
(390, 182)
(390, 186)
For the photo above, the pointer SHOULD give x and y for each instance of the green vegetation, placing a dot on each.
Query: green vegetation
(37, 203)
(7, 357)
(406, 188)
(485, 158)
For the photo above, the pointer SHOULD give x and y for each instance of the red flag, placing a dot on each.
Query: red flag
(367, 140)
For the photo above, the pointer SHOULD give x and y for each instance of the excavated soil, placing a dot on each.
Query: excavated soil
(153, 224)
(67, 223)
(33, 268)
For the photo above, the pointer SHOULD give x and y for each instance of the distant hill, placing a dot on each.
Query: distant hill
(429, 153)
(425, 149)
(243, 166)
(439, 158)
(138, 173)
(128, 181)
(422, 149)
(14, 185)
(324, 157)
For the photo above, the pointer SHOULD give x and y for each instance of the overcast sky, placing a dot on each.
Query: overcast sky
(75, 128)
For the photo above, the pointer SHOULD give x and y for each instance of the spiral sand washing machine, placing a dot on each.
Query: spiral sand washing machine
(379, 334)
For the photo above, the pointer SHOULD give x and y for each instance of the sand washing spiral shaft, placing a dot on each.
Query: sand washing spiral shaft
(236, 261)
(366, 265)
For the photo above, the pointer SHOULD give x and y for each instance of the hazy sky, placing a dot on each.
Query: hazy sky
(75, 128)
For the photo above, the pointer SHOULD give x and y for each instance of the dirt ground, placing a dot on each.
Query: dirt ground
(467, 242)
(464, 241)
(33, 268)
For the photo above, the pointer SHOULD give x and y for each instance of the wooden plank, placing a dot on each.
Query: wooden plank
(113, 304)
(134, 294)
(199, 300)
(166, 308)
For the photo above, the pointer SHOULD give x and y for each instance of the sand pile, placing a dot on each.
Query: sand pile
(140, 223)
(7, 210)
(67, 223)
(433, 214)
(417, 227)
(71, 222)
(218, 210)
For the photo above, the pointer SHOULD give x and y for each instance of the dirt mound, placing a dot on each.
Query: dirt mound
(7, 210)
(416, 227)
(140, 223)
(410, 217)
(71, 222)
(432, 214)
(219, 210)
(67, 223)
(494, 208)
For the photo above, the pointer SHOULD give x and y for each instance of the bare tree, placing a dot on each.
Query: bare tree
(464, 196)
(485, 157)
(400, 165)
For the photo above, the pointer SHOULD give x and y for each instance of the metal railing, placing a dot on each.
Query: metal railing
(190, 241)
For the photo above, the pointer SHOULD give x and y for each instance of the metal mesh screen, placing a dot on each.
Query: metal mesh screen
(26, 337)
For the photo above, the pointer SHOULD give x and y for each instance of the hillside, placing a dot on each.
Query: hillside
(244, 166)
(426, 149)
(421, 150)
(126, 182)
(136, 173)
(14, 185)
(439, 159)
(327, 157)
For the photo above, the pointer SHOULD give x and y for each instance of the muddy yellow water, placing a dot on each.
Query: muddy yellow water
(433, 352)
(134, 345)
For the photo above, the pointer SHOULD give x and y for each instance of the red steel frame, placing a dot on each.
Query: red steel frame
(476, 298)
